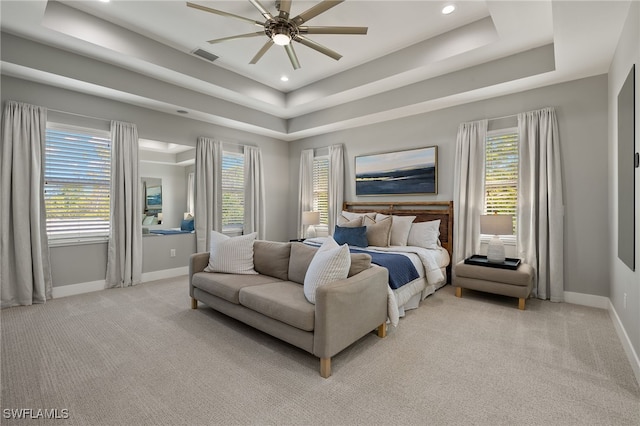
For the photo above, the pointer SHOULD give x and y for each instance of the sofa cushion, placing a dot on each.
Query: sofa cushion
(231, 255)
(330, 263)
(272, 258)
(359, 262)
(228, 286)
(301, 255)
(283, 301)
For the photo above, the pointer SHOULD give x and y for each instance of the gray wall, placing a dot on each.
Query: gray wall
(581, 107)
(623, 279)
(87, 263)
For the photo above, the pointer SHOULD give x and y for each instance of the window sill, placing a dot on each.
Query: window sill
(77, 241)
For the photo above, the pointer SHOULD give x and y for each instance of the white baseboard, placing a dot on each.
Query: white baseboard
(634, 360)
(590, 300)
(80, 288)
(88, 287)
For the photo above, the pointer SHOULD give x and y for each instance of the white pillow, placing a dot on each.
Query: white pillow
(425, 234)
(400, 227)
(231, 255)
(330, 263)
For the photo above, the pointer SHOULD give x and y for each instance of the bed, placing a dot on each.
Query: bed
(432, 264)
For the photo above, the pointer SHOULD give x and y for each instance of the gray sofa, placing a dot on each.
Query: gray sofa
(273, 301)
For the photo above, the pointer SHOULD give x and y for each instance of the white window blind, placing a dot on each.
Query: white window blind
(501, 173)
(77, 182)
(232, 192)
(321, 188)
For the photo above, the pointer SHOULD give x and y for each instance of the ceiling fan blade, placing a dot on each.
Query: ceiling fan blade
(285, 8)
(221, 13)
(314, 11)
(292, 56)
(333, 30)
(218, 40)
(262, 9)
(320, 48)
(262, 51)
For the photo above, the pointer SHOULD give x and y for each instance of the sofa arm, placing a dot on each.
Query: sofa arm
(197, 263)
(348, 309)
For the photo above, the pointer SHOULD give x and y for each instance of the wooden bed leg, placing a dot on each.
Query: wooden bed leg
(194, 303)
(325, 367)
(521, 303)
(458, 291)
(382, 330)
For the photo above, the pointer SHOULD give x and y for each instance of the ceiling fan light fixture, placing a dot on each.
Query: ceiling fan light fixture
(281, 39)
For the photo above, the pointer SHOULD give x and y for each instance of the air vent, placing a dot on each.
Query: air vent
(205, 55)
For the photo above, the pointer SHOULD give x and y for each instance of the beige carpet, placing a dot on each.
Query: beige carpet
(140, 356)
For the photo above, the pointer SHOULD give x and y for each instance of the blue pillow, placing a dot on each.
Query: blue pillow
(356, 236)
(186, 225)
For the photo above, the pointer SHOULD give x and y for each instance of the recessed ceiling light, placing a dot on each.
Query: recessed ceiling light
(284, 78)
(105, 1)
(448, 9)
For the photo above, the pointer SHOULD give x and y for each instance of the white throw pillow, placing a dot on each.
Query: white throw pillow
(353, 216)
(425, 234)
(330, 263)
(400, 228)
(231, 255)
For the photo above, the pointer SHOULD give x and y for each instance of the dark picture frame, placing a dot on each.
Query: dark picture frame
(627, 165)
(412, 171)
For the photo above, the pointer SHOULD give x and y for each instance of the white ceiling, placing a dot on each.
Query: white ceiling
(413, 59)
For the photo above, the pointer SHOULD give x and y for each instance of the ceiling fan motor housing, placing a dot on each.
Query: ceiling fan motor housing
(279, 25)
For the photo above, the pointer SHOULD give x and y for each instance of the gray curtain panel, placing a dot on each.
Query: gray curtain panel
(208, 191)
(254, 201)
(124, 256)
(468, 189)
(336, 184)
(25, 268)
(540, 233)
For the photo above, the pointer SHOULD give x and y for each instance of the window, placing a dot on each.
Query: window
(501, 173)
(232, 192)
(77, 182)
(321, 188)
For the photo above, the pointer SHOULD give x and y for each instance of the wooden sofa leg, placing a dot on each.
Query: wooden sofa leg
(382, 330)
(325, 367)
(521, 303)
(194, 303)
(458, 291)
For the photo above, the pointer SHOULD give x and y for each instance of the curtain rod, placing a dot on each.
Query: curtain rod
(78, 115)
(500, 118)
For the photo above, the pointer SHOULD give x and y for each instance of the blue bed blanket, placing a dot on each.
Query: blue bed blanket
(400, 267)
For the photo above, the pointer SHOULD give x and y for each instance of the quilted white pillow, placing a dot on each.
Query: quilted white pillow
(231, 255)
(400, 227)
(330, 263)
(424, 234)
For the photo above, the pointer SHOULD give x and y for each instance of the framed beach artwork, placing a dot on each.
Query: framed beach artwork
(414, 171)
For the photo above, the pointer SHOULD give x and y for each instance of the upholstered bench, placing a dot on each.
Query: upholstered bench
(506, 282)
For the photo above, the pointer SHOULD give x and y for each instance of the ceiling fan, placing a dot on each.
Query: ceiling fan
(281, 29)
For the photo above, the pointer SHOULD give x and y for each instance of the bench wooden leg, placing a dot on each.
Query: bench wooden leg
(458, 291)
(382, 330)
(521, 303)
(325, 367)
(194, 303)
